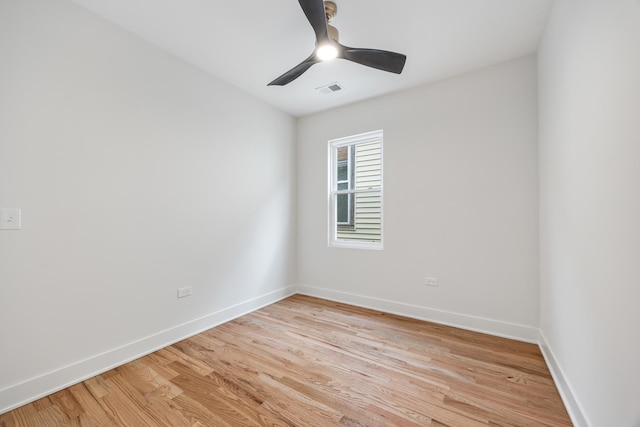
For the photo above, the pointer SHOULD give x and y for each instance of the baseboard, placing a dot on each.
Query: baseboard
(463, 321)
(25, 392)
(572, 405)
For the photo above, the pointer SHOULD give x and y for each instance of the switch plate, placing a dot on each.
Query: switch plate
(184, 292)
(10, 219)
(431, 281)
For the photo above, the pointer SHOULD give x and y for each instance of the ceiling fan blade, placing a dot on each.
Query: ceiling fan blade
(295, 72)
(314, 9)
(381, 59)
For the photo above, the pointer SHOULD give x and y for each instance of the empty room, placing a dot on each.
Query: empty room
(308, 213)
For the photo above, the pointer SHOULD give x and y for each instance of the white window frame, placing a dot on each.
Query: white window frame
(333, 145)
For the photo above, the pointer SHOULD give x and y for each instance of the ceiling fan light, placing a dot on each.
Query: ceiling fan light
(327, 52)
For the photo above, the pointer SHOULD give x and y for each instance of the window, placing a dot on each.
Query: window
(355, 191)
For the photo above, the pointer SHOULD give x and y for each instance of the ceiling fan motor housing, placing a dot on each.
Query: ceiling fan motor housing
(330, 11)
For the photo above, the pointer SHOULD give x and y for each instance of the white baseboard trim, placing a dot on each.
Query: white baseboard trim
(463, 321)
(30, 390)
(27, 391)
(575, 410)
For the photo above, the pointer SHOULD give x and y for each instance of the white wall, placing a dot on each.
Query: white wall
(589, 73)
(460, 203)
(136, 174)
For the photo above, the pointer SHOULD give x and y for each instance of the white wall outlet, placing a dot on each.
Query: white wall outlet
(431, 281)
(184, 292)
(10, 219)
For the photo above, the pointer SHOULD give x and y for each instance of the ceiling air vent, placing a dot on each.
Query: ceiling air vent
(330, 88)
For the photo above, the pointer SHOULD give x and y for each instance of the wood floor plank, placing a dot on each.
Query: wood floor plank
(310, 362)
(94, 414)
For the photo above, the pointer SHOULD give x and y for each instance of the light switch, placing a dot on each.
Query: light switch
(10, 219)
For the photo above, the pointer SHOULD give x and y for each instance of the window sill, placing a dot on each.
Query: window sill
(347, 244)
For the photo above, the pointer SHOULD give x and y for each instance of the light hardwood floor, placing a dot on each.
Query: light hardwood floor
(309, 362)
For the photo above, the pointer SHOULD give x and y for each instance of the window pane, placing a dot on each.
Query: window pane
(343, 171)
(342, 203)
(366, 218)
(342, 154)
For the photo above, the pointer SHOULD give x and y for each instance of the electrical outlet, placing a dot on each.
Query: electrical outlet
(431, 281)
(184, 292)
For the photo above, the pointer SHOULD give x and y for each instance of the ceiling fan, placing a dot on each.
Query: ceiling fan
(319, 14)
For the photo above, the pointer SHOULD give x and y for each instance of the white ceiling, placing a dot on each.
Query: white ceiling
(248, 43)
